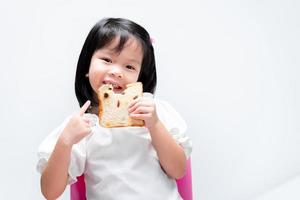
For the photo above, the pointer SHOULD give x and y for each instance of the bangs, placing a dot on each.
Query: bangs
(108, 34)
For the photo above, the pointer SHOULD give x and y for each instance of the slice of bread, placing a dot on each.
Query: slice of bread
(113, 107)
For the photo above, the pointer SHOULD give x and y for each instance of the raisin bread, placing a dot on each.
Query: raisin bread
(113, 107)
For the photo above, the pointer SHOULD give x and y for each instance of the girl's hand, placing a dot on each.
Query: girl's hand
(77, 128)
(143, 108)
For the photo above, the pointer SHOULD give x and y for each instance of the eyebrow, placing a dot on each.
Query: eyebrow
(106, 50)
(134, 61)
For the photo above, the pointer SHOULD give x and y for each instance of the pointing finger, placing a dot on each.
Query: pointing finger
(84, 107)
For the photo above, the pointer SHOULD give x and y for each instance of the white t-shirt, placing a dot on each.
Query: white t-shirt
(121, 163)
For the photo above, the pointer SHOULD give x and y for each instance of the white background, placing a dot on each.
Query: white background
(229, 67)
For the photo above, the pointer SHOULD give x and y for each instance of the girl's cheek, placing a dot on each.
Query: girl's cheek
(93, 84)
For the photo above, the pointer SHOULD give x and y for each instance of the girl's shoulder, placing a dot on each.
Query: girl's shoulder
(168, 114)
(165, 107)
(160, 104)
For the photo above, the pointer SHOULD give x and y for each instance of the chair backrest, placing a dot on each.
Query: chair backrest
(184, 186)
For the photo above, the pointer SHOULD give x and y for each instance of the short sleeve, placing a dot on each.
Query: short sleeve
(78, 153)
(174, 124)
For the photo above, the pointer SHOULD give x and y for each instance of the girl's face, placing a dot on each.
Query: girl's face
(116, 68)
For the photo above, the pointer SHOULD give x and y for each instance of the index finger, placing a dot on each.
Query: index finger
(84, 107)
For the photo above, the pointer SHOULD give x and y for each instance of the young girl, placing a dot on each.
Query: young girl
(119, 163)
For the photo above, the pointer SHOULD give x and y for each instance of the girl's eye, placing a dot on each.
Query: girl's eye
(107, 60)
(130, 67)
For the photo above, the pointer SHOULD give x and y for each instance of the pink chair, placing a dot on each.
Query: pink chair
(184, 186)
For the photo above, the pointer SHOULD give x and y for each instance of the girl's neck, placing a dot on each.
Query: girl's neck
(93, 110)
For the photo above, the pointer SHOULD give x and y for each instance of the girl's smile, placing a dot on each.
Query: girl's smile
(116, 87)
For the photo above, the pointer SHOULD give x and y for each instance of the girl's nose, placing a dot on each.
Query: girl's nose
(115, 71)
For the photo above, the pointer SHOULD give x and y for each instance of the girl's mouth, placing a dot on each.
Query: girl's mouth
(116, 87)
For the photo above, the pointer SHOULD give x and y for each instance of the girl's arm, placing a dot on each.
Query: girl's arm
(55, 175)
(171, 155)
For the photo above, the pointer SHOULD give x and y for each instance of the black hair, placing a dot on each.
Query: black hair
(104, 32)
